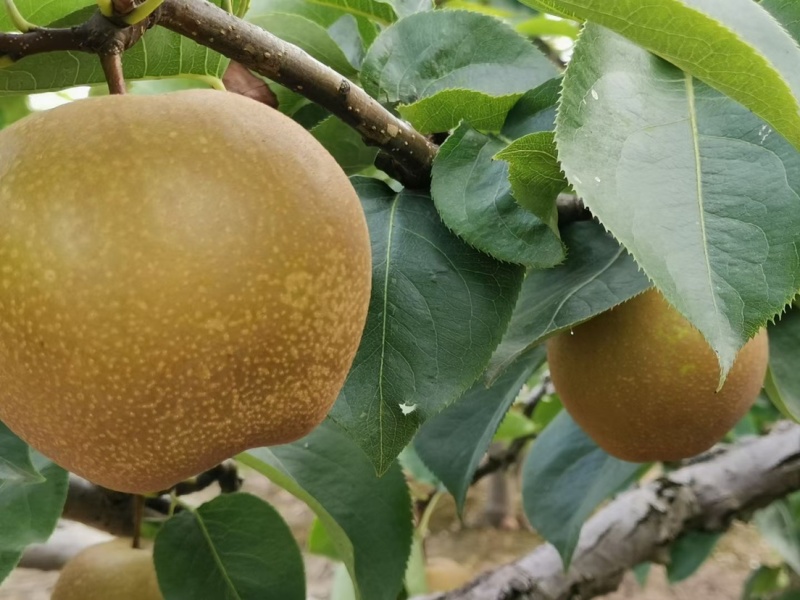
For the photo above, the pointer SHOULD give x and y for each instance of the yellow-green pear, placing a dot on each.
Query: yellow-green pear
(182, 277)
(112, 570)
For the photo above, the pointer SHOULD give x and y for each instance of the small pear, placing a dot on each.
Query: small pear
(112, 570)
(641, 381)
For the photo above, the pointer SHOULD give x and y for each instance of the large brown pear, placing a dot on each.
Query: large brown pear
(109, 571)
(182, 277)
(641, 381)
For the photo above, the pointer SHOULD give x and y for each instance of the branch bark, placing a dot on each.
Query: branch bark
(405, 154)
(98, 35)
(641, 524)
(113, 512)
(262, 52)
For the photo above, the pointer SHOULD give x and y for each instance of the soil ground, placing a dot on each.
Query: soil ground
(480, 548)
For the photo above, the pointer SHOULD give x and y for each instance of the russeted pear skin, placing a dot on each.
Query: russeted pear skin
(109, 571)
(641, 381)
(182, 277)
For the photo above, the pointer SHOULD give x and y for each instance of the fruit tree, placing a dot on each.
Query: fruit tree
(376, 251)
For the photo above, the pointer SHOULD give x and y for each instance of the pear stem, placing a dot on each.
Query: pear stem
(138, 517)
(112, 68)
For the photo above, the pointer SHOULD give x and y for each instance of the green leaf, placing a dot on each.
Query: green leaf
(641, 572)
(380, 12)
(416, 581)
(29, 512)
(320, 541)
(734, 46)
(479, 7)
(412, 465)
(547, 410)
(535, 111)
(327, 12)
(406, 8)
(345, 144)
(346, 35)
(368, 518)
(161, 53)
(564, 478)
(787, 13)
(15, 458)
(342, 586)
(597, 275)
(437, 312)
(763, 583)
(535, 175)
(453, 444)
(542, 25)
(46, 13)
(13, 108)
(689, 552)
(779, 523)
(446, 109)
(513, 426)
(426, 53)
(473, 196)
(236, 546)
(698, 189)
(783, 380)
(309, 36)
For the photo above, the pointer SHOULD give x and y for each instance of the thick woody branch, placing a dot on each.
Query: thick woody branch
(405, 154)
(98, 507)
(113, 512)
(98, 35)
(641, 524)
(38, 41)
(290, 66)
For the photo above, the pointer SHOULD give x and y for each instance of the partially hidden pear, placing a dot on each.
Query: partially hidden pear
(641, 381)
(109, 571)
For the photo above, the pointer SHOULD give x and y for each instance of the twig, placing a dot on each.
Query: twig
(20, 22)
(113, 512)
(138, 519)
(494, 463)
(290, 66)
(641, 524)
(571, 209)
(550, 52)
(112, 68)
(98, 35)
(405, 153)
(225, 474)
(501, 461)
(536, 394)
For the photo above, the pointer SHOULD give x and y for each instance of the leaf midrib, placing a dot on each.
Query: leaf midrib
(699, 179)
(216, 556)
(395, 203)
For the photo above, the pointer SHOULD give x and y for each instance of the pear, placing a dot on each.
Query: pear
(642, 381)
(111, 570)
(182, 277)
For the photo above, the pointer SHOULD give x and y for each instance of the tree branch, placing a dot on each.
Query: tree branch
(98, 35)
(641, 524)
(288, 65)
(112, 69)
(405, 154)
(113, 512)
